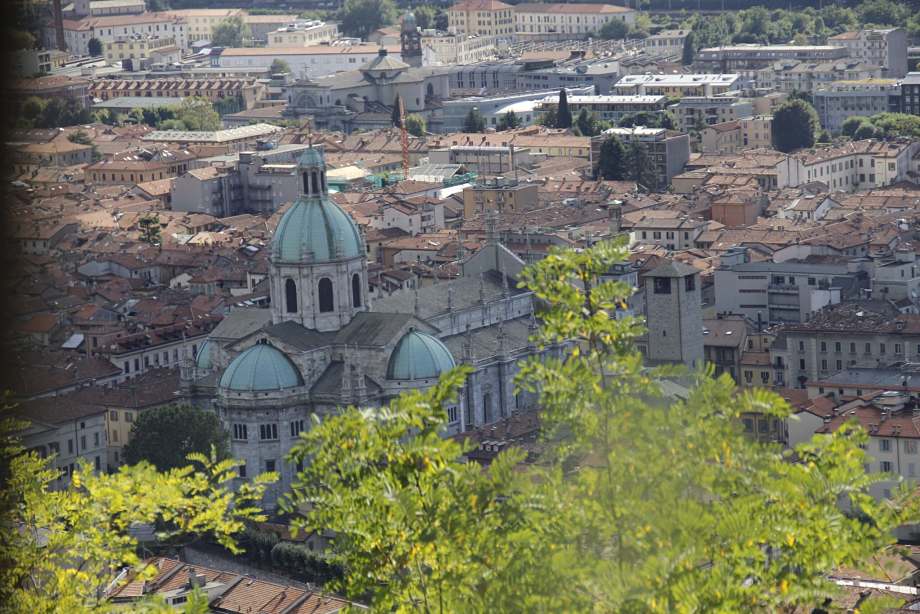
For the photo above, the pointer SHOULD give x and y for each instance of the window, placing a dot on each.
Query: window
(355, 290)
(801, 346)
(96, 439)
(881, 348)
(689, 283)
(268, 432)
(82, 442)
(884, 445)
(852, 348)
(115, 436)
(762, 425)
(453, 415)
(270, 464)
(662, 285)
(113, 415)
(129, 417)
(70, 446)
(290, 296)
(801, 363)
(824, 365)
(837, 347)
(748, 425)
(240, 432)
(910, 446)
(326, 303)
(296, 428)
(885, 466)
(868, 348)
(98, 463)
(823, 346)
(243, 470)
(54, 448)
(748, 376)
(897, 348)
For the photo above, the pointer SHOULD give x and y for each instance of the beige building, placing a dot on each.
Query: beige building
(133, 167)
(201, 22)
(666, 43)
(457, 49)
(575, 18)
(303, 34)
(678, 85)
(142, 50)
(499, 195)
(757, 132)
(483, 17)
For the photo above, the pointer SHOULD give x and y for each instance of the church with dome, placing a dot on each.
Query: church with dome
(322, 344)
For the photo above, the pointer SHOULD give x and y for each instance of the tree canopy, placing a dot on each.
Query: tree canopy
(361, 17)
(638, 502)
(61, 547)
(509, 121)
(415, 125)
(612, 159)
(94, 47)
(193, 113)
(279, 66)
(474, 121)
(882, 125)
(165, 436)
(230, 32)
(794, 125)
(614, 29)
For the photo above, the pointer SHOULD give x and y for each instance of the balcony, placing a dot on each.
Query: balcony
(783, 288)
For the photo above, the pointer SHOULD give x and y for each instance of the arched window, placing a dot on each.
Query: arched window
(290, 296)
(314, 182)
(306, 186)
(487, 408)
(325, 295)
(355, 290)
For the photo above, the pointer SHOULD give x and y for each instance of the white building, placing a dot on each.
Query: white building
(842, 99)
(882, 47)
(574, 18)
(303, 33)
(666, 43)
(314, 61)
(679, 85)
(78, 33)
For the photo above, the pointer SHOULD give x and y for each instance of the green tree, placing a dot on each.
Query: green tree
(198, 113)
(611, 162)
(794, 125)
(614, 29)
(424, 16)
(474, 121)
(883, 13)
(892, 125)
(689, 51)
(639, 166)
(849, 126)
(279, 66)
(150, 228)
(395, 115)
(80, 137)
(563, 114)
(94, 47)
(509, 121)
(548, 117)
(415, 125)
(61, 547)
(154, 436)
(586, 123)
(230, 32)
(361, 17)
(866, 130)
(640, 503)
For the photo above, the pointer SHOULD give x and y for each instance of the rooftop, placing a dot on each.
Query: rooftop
(215, 136)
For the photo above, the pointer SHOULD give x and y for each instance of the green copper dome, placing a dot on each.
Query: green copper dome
(203, 359)
(312, 157)
(316, 230)
(261, 368)
(419, 356)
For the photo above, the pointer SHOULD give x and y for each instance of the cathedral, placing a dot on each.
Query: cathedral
(322, 345)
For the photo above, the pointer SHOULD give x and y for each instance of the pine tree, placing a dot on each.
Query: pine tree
(612, 159)
(563, 114)
(395, 116)
(474, 121)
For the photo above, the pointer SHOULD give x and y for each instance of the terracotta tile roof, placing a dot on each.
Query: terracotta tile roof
(479, 5)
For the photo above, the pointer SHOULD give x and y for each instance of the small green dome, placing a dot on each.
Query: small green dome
(419, 356)
(203, 359)
(312, 157)
(316, 230)
(261, 368)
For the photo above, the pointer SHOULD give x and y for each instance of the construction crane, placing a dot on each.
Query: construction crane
(404, 138)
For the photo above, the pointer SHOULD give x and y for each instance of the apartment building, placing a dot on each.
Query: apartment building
(482, 17)
(885, 47)
(102, 8)
(669, 229)
(303, 33)
(201, 22)
(857, 165)
(608, 108)
(678, 85)
(57, 152)
(258, 182)
(137, 166)
(746, 57)
(78, 33)
(777, 292)
(667, 151)
(574, 18)
(856, 335)
(141, 51)
(313, 61)
(249, 89)
(910, 93)
(31, 62)
(808, 77)
(666, 43)
(695, 112)
(500, 194)
(757, 132)
(843, 99)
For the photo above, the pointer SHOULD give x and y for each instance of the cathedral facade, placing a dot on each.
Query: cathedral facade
(322, 345)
